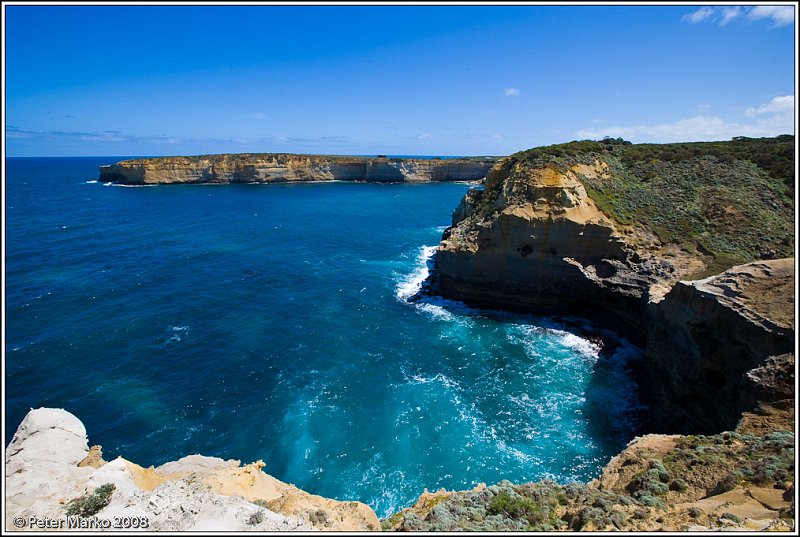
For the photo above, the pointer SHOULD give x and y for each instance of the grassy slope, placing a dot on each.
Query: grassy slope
(731, 200)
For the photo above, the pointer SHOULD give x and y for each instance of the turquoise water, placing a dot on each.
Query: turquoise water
(270, 322)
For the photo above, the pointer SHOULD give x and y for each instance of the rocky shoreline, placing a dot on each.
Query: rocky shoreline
(742, 479)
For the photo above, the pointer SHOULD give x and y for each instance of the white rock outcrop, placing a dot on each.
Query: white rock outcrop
(195, 493)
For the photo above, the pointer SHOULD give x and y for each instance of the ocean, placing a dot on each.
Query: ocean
(272, 322)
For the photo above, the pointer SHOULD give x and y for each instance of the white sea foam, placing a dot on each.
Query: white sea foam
(412, 283)
(581, 345)
(93, 181)
(437, 307)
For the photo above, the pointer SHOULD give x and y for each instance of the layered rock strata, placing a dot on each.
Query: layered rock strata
(533, 239)
(722, 345)
(279, 168)
(49, 467)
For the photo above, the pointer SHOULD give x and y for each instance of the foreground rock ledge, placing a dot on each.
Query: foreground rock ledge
(49, 463)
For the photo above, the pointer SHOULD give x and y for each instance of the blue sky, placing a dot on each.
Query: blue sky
(427, 80)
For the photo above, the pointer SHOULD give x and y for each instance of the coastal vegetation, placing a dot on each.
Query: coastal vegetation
(730, 201)
(692, 483)
(91, 504)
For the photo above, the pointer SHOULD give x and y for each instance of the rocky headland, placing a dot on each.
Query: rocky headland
(283, 167)
(688, 250)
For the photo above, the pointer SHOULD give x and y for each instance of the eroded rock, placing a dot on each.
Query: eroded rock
(49, 464)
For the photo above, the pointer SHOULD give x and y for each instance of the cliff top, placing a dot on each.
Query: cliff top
(256, 157)
(728, 202)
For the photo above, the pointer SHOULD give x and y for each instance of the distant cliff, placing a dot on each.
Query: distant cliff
(281, 167)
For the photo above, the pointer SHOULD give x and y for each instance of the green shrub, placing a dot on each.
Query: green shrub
(650, 501)
(86, 506)
(518, 507)
(731, 202)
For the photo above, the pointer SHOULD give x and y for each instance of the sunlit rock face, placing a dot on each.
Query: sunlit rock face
(278, 168)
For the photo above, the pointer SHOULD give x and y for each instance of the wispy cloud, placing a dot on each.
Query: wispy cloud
(781, 105)
(700, 15)
(779, 15)
(511, 92)
(769, 119)
(260, 115)
(424, 136)
(728, 14)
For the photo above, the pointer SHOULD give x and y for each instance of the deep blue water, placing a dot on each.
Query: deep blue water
(269, 322)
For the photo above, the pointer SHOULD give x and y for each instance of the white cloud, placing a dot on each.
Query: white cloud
(699, 15)
(780, 15)
(511, 92)
(783, 104)
(774, 118)
(496, 136)
(424, 136)
(728, 14)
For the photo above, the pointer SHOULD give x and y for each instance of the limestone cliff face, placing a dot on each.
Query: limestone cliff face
(276, 168)
(49, 464)
(534, 240)
(719, 346)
